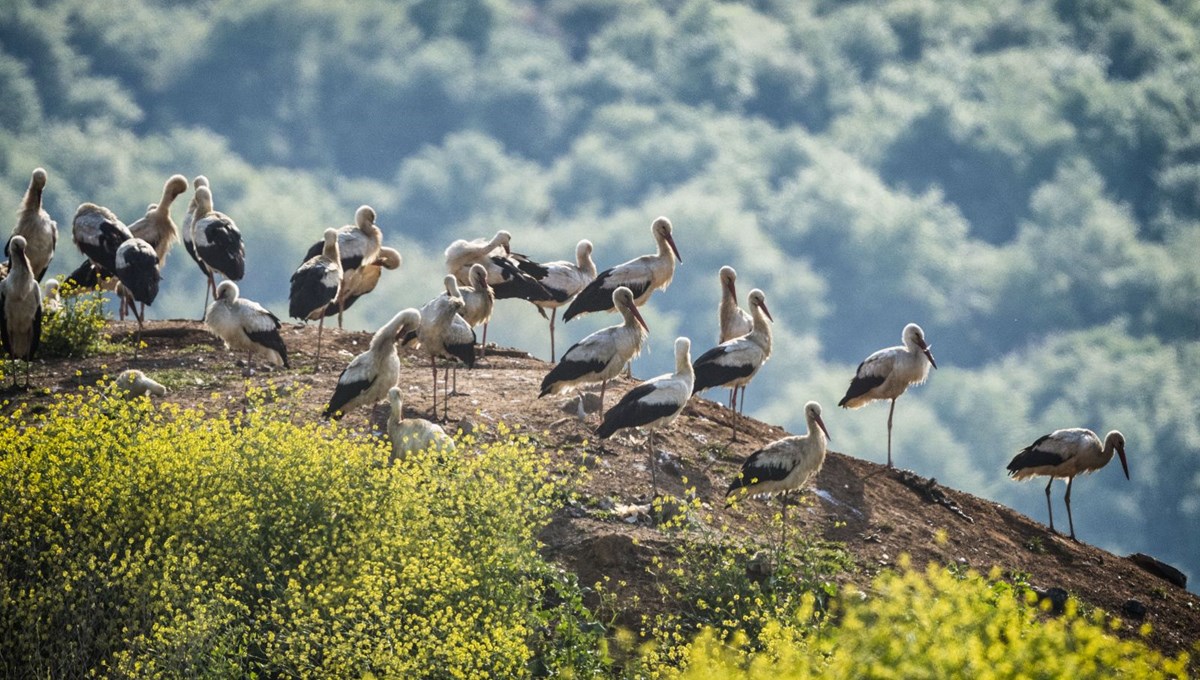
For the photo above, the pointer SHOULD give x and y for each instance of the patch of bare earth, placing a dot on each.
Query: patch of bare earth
(876, 513)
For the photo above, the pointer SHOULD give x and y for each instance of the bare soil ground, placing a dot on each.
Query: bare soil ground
(876, 513)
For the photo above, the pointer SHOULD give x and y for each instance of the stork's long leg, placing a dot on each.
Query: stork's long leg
(653, 472)
(1070, 521)
(1050, 508)
(207, 290)
(891, 411)
(320, 328)
(433, 366)
(553, 314)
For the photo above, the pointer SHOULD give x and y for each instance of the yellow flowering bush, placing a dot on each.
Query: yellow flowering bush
(139, 540)
(931, 624)
(77, 328)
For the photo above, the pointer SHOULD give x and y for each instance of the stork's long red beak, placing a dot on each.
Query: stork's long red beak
(821, 424)
(763, 306)
(638, 315)
(671, 242)
(1124, 463)
(929, 354)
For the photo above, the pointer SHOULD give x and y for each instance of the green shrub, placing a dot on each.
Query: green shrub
(157, 541)
(931, 624)
(77, 329)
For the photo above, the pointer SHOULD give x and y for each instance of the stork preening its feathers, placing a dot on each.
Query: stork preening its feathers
(156, 227)
(1065, 454)
(888, 372)
(734, 363)
(359, 282)
(358, 247)
(20, 308)
(315, 284)
(245, 325)
(505, 273)
(600, 356)
(642, 275)
(35, 226)
(563, 280)
(654, 403)
(217, 241)
(444, 333)
(137, 270)
(369, 376)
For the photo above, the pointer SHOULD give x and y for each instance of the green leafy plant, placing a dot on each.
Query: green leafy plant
(77, 328)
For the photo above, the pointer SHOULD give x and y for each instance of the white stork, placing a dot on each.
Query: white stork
(51, 296)
(245, 325)
(600, 356)
(1065, 454)
(20, 308)
(217, 240)
(156, 227)
(185, 229)
(642, 275)
(358, 246)
(34, 224)
(784, 464)
(137, 270)
(315, 284)
(363, 280)
(98, 233)
(478, 299)
(734, 363)
(733, 320)
(888, 372)
(654, 403)
(563, 280)
(444, 333)
(505, 270)
(369, 376)
(413, 434)
(132, 383)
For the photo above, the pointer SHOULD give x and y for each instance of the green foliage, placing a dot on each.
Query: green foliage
(933, 624)
(75, 330)
(157, 541)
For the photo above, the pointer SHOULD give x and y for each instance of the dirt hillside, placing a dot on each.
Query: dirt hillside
(878, 514)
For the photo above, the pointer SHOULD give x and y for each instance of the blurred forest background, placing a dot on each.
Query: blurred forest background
(1022, 178)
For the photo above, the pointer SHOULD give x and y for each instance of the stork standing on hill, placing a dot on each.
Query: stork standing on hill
(478, 298)
(245, 325)
(888, 372)
(315, 284)
(358, 246)
(132, 384)
(600, 356)
(732, 320)
(137, 270)
(185, 229)
(642, 275)
(734, 363)
(35, 226)
(784, 464)
(369, 376)
(654, 403)
(217, 240)
(412, 434)
(20, 308)
(1065, 454)
(444, 333)
(363, 280)
(156, 227)
(97, 232)
(563, 280)
(505, 273)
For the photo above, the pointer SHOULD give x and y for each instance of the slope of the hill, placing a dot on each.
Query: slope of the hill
(877, 514)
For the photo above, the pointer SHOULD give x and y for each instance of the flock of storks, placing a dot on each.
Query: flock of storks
(347, 264)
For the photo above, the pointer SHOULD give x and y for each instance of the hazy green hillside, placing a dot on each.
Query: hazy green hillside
(1021, 178)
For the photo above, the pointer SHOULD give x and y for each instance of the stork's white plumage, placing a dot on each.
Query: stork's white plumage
(156, 227)
(359, 282)
(132, 383)
(35, 226)
(600, 356)
(245, 325)
(734, 363)
(20, 308)
(185, 227)
(358, 246)
(563, 280)
(1065, 454)
(217, 240)
(888, 372)
(444, 333)
(315, 284)
(413, 434)
(369, 376)
(642, 275)
(506, 273)
(654, 403)
(733, 321)
(98, 233)
(478, 298)
(51, 297)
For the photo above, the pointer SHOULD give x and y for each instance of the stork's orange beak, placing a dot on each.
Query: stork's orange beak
(763, 306)
(638, 315)
(671, 242)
